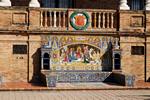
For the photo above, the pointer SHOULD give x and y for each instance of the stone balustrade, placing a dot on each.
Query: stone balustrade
(53, 19)
(59, 19)
(103, 19)
(99, 20)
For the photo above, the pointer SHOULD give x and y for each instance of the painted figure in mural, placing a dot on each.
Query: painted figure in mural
(86, 54)
(63, 56)
(93, 55)
(90, 52)
(79, 54)
(72, 55)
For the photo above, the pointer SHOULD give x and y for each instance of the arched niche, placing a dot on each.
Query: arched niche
(117, 61)
(46, 61)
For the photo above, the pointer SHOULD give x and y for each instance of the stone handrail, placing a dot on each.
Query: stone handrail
(53, 18)
(59, 19)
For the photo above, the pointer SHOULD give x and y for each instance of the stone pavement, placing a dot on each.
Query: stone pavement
(60, 86)
(76, 95)
(72, 86)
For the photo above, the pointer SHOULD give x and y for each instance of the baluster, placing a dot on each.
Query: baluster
(41, 18)
(103, 20)
(50, 19)
(108, 20)
(95, 20)
(147, 6)
(112, 20)
(45, 18)
(55, 19)
(99, 21)
(59, 16)
(64, 19)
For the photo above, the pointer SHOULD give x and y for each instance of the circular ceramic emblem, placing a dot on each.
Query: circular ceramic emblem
(79, 20)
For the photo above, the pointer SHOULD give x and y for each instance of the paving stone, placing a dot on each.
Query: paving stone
(77, 95)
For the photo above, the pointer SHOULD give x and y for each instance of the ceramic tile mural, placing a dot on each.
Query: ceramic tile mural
(79, 52)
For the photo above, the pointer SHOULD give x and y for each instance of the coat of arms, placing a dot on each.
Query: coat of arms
(79, 20)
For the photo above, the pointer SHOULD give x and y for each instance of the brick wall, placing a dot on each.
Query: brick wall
(34, 56)
(13, 66)
(132, 64)
(148, 58)
(129, 20)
